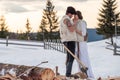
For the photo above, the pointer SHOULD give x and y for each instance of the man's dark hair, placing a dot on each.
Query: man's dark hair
(71, 10)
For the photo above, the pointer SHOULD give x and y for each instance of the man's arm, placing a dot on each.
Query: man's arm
(70, 26)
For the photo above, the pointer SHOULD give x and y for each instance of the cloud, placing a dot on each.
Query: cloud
(18, 0)
(12, 7)
(79, 0)
(18, 6)
(16, 9)
(75, 0)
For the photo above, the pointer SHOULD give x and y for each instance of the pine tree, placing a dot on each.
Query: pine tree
(21, 35)
(28, 30)
(42, 31)
(107, 17)
(49, 22)
(3, 28)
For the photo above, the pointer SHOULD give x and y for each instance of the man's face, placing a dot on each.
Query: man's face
(70, 15)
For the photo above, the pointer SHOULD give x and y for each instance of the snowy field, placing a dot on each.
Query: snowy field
(103, 62)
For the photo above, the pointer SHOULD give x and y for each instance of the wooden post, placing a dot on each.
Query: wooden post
(48, 43)
(115, 48)
(44, 44)
(49, 40)
(53, 44)
(56, 72)
(57, 43)
(7, 37)
(62, 47)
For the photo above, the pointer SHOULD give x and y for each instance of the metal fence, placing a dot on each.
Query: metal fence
(8, 42)
(114, 47)
(55, 44)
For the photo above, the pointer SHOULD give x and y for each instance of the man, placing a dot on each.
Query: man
(68, 36)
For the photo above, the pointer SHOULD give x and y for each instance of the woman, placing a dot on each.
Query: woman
(81, 46)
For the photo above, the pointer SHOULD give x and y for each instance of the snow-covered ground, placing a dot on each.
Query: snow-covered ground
(103, 62)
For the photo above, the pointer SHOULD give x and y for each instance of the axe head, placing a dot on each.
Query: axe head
(84, 70)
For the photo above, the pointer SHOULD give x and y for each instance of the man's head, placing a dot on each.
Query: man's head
(70, 11)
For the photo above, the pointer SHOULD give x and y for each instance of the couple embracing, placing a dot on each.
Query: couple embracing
(73, 33)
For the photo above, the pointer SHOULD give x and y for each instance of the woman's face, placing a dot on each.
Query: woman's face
(76, 16)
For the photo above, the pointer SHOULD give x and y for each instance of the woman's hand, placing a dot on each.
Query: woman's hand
(79, 32)
(71, 29)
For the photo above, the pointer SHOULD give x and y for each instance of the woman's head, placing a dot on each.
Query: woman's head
(79, 14)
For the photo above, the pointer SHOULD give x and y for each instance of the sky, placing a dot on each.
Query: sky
(16, 12)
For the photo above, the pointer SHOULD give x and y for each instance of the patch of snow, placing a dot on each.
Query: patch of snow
(103, 62)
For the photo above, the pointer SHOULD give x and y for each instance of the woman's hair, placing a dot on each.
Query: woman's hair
(79, 14)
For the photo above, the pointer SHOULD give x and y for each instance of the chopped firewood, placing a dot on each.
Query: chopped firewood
(9, 77)
(80, 75)
(44, 74)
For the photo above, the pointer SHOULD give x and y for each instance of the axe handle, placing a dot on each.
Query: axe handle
(31, 68)
(83, 65)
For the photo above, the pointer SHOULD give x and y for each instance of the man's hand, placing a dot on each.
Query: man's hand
(68, 23)
(70, 26)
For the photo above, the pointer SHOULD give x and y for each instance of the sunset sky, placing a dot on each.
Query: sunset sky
(16, 12)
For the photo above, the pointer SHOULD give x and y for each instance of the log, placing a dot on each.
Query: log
(76, 76)
(110, 78)
(37, 73)
(9, 77)
(80, 75)
(34, 74)
(43, 74)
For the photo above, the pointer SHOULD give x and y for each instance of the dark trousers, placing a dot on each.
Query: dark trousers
(71, 46)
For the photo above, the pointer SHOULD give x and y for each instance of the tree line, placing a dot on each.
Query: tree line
(48, 28)
(108, 21)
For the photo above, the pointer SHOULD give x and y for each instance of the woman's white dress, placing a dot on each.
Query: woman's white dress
(83, 51)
